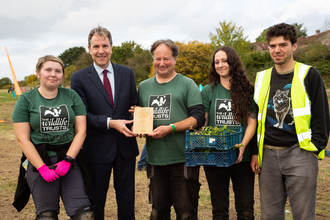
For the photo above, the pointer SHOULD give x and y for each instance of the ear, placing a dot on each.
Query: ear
(89, 50)
(37, 74)
(294, 47)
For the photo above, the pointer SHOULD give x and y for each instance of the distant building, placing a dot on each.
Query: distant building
(261, 46)
(323, 38)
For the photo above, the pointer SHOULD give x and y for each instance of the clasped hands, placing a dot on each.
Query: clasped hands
(50, 174)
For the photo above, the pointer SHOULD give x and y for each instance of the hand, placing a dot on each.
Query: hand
(142, 135)
(131, 110)
(48, 174)
(62, 167)
(254, 164)
(120, 125)
(241, 148)
(161, 131)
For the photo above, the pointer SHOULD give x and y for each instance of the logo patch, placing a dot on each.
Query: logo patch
(223, 113)
(54, 119)
(161, 105)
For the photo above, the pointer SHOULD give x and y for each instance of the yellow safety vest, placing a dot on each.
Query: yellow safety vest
(300, 107)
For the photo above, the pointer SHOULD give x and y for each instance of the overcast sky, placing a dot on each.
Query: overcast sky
(34, 28)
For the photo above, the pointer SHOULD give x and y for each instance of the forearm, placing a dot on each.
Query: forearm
(320, 122)
(206, 119)
(250, 131)
(80, 135)
(31, 153)
(76, 144)
(22, 132)
(185, 124)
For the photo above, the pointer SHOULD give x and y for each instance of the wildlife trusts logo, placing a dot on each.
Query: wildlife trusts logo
(54, 119)
(223, 113)
(161, 105)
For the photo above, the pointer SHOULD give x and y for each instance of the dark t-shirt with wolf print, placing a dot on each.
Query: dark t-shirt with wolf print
(280, 128)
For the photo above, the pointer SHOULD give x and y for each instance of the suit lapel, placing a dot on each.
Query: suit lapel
(118, 79)
(95, 78)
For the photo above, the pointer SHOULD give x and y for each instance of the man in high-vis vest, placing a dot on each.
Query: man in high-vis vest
(293, 129)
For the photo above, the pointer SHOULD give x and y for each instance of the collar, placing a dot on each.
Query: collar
(99, 70)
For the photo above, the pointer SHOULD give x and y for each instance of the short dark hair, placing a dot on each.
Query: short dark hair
(289, 32)
(175, 49)
(100, 31)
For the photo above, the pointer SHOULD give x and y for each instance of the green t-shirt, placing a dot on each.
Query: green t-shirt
(217, 103)
(51, 120)
(170, 101)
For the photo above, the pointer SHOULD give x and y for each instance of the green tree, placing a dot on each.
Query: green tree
(71, 55)
(262, 36)
(84, 60)
(228, 34)
(194, 61)
(301, 31)
(120, 54)
(5, 81)
(141, 63)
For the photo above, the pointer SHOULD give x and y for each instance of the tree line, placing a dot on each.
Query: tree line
(195, 57)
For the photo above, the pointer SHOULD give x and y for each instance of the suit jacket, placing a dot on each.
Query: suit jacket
(101, 144)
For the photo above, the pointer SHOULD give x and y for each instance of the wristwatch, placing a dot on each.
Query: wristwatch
(69, 159)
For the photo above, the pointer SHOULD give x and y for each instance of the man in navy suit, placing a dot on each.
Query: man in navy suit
(108, 90)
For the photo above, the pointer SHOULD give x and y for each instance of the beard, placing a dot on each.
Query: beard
(282, 61)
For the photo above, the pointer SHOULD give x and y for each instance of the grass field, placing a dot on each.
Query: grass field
(10, 160)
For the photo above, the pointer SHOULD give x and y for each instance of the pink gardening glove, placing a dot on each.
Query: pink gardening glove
(48, 174)
(62, 167)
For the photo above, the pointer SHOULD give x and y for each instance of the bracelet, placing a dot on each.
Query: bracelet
(173, 127)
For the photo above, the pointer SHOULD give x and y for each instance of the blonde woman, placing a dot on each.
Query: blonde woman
(50, 127)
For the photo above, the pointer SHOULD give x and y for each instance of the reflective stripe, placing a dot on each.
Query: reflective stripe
(258, 137)
(304, 135)
(259, 116)
(301, 73)
(258, 85)
(301, 111)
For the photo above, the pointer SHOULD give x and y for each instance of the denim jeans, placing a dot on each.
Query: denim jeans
(242, 178)
(175, 185)
(143, 159)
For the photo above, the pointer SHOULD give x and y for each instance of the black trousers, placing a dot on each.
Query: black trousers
(175, 185)
(242, 178)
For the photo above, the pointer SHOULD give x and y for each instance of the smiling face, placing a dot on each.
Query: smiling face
(221, 65)
(164, 62)
(281, 50)
(50, 75)
(100, 50)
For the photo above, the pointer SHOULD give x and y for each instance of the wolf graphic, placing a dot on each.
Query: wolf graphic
(282, 107)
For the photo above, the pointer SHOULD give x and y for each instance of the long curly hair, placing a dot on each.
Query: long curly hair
(240, 86)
